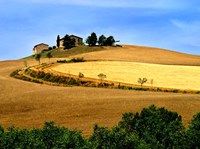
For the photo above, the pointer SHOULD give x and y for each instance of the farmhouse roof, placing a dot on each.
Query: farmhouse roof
(40, 44)
(72, 36)
(75, 36)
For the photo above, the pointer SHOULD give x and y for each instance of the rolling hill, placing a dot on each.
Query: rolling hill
(26, 105)
(130, 53)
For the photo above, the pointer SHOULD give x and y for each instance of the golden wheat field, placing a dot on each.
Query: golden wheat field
(167, 76)
(27, 105)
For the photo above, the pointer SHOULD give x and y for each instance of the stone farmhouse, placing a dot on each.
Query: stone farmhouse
(40, 48)
(78, 40)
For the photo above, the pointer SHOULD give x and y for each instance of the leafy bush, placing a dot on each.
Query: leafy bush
(175, 91)
(157, 126)
(116, 138)
(52, 78)
(50, 136)
(73, 60)
(15, 73)
(153, 127)
(62, 61)
(194, 132)
(80, 75)
(50, 48)
(78, 59)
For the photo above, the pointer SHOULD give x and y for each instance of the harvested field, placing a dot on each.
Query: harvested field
(142, 54)
(28, 105)
(166, 76)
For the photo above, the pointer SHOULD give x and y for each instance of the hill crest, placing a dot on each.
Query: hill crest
(133, 53)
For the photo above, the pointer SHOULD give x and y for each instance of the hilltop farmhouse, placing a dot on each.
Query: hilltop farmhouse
(40, 48)
(78, 40)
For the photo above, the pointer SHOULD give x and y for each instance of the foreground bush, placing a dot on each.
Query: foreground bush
(154, 127)
(50, 136)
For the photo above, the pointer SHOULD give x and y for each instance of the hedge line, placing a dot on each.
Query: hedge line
(41, 76)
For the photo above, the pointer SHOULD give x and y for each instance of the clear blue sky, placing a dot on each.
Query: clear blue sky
(170, 24)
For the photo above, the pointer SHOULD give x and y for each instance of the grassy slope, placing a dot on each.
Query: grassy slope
(128, 53)
(61, 53)
(143, 54)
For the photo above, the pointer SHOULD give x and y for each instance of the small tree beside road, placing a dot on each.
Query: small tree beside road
(141, 81)
(101, 77)
(49, 55)
(38, 57)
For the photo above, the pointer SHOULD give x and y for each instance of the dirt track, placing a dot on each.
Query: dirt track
(28, 105)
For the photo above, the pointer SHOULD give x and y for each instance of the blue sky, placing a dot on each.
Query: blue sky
(170, 24)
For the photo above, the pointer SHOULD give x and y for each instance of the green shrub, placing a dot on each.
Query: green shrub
(158, 90)
(73, 60)
(15, 73)
(80, 75)
(175, 91)
(47, 76)
(153, 127)
(79, 59)
(116, 138)
(62, 61)
(130, 88)
(50, 48)
(194, 132)
(50, 136)
(157, 126)
(40, 75)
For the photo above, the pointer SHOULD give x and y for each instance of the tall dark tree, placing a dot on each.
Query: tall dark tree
(92, 39)
(110, 41)
(37, 58)
(88, 40)
(102, 40)
(68, 42)
(58, 41)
